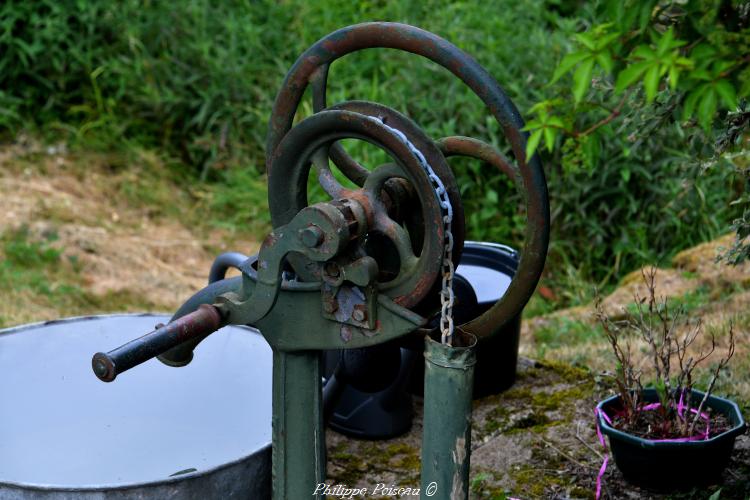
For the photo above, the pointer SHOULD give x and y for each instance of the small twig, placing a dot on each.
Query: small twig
(558, 450)
(722, 363)
(614, 114)
(589, 447)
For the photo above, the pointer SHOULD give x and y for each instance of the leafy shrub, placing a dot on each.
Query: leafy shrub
(654, 73)
(197, 79)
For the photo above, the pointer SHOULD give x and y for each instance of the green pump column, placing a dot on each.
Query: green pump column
(298, 435)
(446, 435)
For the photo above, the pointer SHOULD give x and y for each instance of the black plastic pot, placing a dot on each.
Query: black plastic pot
(672, 465)
(489, 268)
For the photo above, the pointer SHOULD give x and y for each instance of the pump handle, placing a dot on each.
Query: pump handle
(199, 323)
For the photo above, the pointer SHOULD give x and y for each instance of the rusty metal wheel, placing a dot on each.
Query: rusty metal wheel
(312, 68)
(417, 270)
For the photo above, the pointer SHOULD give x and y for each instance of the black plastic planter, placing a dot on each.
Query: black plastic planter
(489, 268)
(672, 465)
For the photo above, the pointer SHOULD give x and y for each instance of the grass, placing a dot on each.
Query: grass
(35, 277)
(195, 81)
(564, 331)
(90, 232)
(575, 338)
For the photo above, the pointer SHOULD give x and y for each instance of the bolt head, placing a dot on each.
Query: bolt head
(311, 236)
(359, 315)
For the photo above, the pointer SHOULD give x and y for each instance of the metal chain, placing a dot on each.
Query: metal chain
(447, 298)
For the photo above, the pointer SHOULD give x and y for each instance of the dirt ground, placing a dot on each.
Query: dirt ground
(121, 246)
(535, 440)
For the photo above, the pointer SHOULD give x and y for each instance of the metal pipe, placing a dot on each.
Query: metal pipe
(223, 263)
(182, 354)
(446, 434)
(204, 321)
(298, 455)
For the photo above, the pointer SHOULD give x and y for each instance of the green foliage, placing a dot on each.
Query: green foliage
(23, 264)
(642, 76)
(595, 48)
(244, 206)
(22, 253)
(34, 272)
(565, 331)
(642, 49)
(184, 75)
(197, 79)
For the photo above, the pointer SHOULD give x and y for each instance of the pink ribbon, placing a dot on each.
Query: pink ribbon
(599, 434)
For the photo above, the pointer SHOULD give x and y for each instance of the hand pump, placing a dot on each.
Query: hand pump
(366, 267)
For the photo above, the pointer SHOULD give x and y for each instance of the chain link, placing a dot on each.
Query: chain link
(447, 298)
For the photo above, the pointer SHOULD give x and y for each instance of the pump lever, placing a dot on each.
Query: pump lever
(199, 323)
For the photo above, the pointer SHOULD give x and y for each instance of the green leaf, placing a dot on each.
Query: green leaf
(533, 143)
(700, 74)
(727, 93)
(651, 82)
(586, 39)
(531, 125)
(703, 53)
(625, 174)
(567, 64)
(745, 89)
(661, 390)
(665, 43)
(716, 495)
(629, 75)
(582, 79)
(674, 76)
(645, 13)
(606, 40)
(592, 149)
(549, 138)
(605, 61)
(643, 52)
(692, 100)
(721, 66)
(541, 106)
(707, 108)
(556, 121)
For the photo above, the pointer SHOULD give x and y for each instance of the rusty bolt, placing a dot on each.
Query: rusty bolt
(359, 314)
(311, 236)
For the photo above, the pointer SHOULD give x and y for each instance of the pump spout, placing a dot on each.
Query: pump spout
(182, 354)
(174, 342)
(205, 320)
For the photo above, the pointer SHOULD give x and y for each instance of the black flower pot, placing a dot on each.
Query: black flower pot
(672, 465)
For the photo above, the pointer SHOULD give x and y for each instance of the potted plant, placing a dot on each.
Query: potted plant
(669, 436)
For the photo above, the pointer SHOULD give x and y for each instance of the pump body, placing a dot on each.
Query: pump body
(367, 267)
